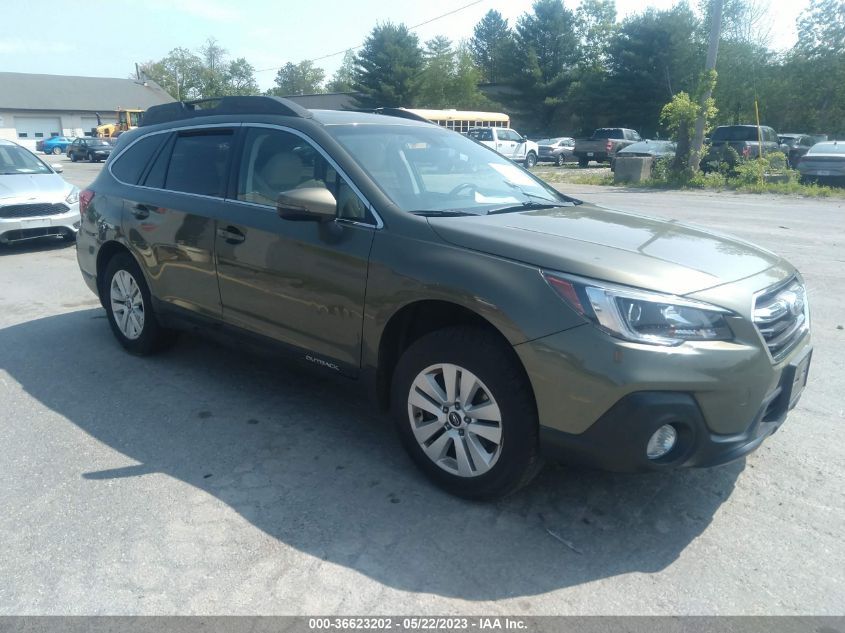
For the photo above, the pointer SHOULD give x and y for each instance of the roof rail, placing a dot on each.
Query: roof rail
(402, 113)
(223, 105)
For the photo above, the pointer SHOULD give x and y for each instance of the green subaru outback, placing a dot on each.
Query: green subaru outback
(498, 320)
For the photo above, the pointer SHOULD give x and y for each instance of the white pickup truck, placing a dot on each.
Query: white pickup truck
(509, 143)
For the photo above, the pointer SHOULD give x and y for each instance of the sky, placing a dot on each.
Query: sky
(267, 33)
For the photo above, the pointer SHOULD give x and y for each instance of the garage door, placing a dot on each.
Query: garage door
(88, 122)
(34, 127)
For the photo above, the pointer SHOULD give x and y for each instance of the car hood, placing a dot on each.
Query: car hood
(23, 187)
(603, 244)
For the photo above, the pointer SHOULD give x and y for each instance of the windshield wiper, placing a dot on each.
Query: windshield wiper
(527, 206)
(442, 214)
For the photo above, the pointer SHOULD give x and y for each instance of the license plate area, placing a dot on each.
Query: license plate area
(798, 379)
(589, 153)
(35, 223)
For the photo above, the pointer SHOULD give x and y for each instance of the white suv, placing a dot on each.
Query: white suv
(509, 143)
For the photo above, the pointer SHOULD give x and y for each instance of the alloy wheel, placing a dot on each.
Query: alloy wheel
(127, 304)
(455, 420)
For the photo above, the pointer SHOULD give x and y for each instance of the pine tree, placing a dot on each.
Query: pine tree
(387, 67)
(489, 45)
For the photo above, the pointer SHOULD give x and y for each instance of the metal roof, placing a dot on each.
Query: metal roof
(24, 91)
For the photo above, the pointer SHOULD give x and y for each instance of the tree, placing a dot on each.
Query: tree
(655, 55)
(213, 74)
(298, 79)
(178, 73)
(489, 45)
(595, 23)
(433, 87)
(344, 76)
(387, 67)
(540, 68)
(240, 78)
(706, 91)
(821, 30)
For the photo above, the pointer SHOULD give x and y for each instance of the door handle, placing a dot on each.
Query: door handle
(141, 211)
(231, 235)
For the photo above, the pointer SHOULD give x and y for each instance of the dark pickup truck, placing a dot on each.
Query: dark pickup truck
(743, 139)
(603, 144)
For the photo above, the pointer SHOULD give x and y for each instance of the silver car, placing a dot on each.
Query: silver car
(824, 161)
(34, 200)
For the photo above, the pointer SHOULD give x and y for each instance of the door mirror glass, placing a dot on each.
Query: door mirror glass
(316, 204)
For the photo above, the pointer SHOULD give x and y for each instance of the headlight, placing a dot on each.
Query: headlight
(639, 315)
(73, 196)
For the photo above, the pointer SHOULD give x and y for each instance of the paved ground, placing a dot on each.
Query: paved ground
(206, 481)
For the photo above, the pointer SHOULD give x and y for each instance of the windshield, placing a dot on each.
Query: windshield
(427, 168)
(650, 146)
(17, 160)
(548, 141)
(827, 148)
(735, 133)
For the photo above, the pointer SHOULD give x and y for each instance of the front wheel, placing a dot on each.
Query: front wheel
(129, 307)
(559, 160)
(530, 160)
(465, 413)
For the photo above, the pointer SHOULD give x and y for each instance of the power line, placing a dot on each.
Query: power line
(355, 48)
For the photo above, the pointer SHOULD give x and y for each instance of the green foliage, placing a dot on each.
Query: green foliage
(344, 76)
(387, 67)
(298, 79)
(490, 43)
(186, 75)
(595, 25)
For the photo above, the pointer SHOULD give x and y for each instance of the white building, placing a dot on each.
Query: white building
(34, 107)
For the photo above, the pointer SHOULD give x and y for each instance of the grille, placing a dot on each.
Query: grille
(782, 315)
(32, 210)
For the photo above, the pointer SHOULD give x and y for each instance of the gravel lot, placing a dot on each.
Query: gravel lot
(210, 481)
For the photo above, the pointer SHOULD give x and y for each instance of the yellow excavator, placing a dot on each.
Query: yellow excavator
(127, 119)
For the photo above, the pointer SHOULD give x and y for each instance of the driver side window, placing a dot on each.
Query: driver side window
(274, 161)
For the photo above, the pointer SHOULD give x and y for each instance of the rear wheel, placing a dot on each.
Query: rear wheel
(466, 414)
(57, 150)
(129, 307)
(583, 162)
(91, 158)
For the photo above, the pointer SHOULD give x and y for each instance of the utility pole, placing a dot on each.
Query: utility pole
(709, 66)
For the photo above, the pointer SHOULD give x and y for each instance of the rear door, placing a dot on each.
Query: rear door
(299, 282)
(170, 219)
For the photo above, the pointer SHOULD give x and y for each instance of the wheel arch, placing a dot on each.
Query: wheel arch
(413, 321)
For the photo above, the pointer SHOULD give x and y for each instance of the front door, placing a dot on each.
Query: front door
(299, 282)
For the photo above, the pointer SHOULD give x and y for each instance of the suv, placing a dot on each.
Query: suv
(509, 143)
(495, 318)
(744, 140)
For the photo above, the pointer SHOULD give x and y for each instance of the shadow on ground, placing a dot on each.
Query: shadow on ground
(35, 245)
(305, 458)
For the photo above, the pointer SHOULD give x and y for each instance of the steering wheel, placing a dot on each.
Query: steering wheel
(464, 185)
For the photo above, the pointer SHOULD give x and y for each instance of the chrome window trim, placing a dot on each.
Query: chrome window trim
(379, 224)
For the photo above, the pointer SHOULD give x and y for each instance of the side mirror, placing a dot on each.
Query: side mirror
(314, 204)
(57, 168)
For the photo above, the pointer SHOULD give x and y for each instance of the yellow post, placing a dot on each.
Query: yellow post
(759, 138)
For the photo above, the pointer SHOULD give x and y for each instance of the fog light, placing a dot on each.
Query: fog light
(661, 442)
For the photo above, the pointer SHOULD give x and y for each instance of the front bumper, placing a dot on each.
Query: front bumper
(618, 440)
(21, 229)
(600, 399)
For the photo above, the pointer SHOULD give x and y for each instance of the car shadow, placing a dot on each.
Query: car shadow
(305, 458)
(39, 244)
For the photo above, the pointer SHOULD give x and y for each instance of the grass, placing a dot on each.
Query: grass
(745, 180)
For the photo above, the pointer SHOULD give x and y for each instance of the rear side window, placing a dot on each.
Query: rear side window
(199, 163)
(481, 135)
(131, 164)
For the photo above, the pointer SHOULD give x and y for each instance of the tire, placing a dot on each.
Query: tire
(57, 150)
(150, 337)
(583, 162)
(482, 359)
(559, 160)
(530, 160)
(72, 158)
(91, 158)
